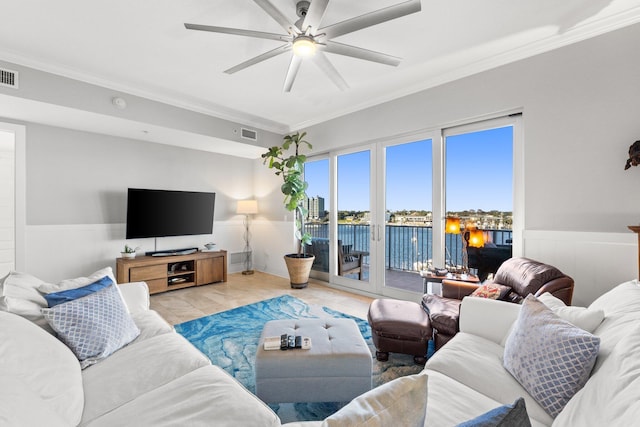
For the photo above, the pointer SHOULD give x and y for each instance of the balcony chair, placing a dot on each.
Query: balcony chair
(349, 262)
(516, 277)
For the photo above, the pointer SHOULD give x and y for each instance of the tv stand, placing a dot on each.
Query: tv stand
(168, 272)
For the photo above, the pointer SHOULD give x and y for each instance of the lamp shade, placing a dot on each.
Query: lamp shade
(247, 207)
(476, 238)
(452, 225)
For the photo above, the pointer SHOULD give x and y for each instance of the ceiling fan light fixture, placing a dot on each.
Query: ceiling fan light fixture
(304, 46)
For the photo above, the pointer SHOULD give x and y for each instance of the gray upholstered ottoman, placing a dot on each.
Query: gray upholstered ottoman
(337, 368)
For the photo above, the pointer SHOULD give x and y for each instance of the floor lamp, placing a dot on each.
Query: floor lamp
(246, 208)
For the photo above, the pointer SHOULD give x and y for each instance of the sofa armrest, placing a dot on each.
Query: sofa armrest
(457, 289)
(136, 296)
(488, 318)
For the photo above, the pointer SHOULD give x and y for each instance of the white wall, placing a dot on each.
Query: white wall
(580, 115)
(76, 196)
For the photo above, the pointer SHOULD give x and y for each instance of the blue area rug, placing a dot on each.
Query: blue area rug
(230, 340)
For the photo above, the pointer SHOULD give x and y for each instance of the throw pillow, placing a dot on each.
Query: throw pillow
(47, 288)
(582, 317)
(56, 298)
(19, 295)
(491, 291)
(401, 402)
(94, 326)
(548, 356)
(514, 415)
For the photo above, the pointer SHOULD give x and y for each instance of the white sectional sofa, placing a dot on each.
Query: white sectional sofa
(160, 379)
(467, 376)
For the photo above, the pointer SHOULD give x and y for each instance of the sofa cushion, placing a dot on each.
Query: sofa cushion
(22, 407)
(137, 369)
(19, 295)
(514, 415)
(401, 402)
(93, 326)
(150, 324)
(207, 396)
(452, 402)
(45, 367)
(444, 313)
(549, 356)
(582, 317)
(477, 363)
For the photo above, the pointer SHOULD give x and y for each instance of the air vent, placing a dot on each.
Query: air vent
(8, 78)
(249, 134)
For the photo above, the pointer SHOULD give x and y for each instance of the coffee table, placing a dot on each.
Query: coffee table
(337, 368)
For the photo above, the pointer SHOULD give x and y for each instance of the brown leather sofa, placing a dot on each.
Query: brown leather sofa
(522, 275)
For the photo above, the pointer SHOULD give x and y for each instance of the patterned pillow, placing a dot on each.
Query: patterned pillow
(94, 326)
(550, 357)
(491, 291)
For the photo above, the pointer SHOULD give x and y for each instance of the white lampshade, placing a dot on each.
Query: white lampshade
(247, 207)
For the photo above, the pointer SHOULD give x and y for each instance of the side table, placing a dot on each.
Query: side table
(432, 283)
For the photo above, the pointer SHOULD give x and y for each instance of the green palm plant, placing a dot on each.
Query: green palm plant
(294, 187)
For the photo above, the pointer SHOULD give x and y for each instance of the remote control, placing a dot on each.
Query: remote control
(292, 341)
(284, 342)
(306, 343)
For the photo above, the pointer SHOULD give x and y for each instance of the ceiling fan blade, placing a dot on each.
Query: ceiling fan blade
(314, 15)
(238, 32)
(325, 65)
(294, 66)
(259, 58)
(360, 53)
(273, 12)
(372, 18)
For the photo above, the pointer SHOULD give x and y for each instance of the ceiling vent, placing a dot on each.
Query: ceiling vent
(249, 134)
(8, 78)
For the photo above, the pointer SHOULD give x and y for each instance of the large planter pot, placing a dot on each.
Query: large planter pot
(299, 268)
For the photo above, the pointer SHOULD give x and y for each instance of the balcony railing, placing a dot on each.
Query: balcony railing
(409, 247)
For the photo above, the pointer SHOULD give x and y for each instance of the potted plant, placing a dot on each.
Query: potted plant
(128, 252)
(291, 169)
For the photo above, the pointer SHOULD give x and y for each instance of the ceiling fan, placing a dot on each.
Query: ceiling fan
(307, 38)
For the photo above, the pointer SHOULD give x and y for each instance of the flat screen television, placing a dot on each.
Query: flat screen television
(163, 213)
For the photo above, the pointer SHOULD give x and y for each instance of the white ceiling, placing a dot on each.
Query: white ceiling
(141, 47)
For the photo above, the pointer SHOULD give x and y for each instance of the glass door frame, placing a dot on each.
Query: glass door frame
(515, 121)
(369, 285)
(381, 178)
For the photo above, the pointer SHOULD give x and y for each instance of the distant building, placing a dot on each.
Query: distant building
(316, 208)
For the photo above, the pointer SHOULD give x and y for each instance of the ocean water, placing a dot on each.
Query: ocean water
(408, 248)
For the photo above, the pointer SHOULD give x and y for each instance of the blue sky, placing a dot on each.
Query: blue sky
(479, 174)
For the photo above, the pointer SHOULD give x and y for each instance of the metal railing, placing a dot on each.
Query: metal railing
(409, 247)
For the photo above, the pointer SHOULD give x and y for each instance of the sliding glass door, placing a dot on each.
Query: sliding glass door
(408, 213)
(385, 206)
(355, 219)
(479, 177)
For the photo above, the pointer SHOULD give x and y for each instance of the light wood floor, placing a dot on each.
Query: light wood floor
(191, 303)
